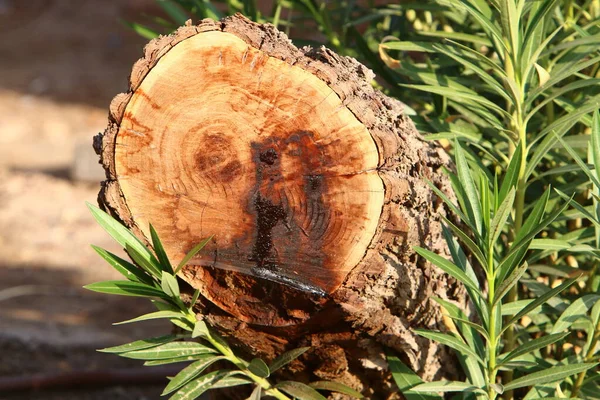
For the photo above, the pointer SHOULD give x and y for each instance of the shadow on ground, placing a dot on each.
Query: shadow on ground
(50, 325)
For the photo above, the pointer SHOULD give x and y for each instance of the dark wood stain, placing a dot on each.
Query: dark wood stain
(280, 243)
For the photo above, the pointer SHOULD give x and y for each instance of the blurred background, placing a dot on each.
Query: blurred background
(61, 62)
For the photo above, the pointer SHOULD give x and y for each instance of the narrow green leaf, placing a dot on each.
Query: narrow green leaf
(153, 315)
(406, 379)
(558, 92)
(472, 324)
(461, 58)
(556, 129)
(175, 360)
(125, 268)
(580, 162)
(200, 330)
(596, 142)
(498, 387)
(142, 261)
(169, 350)
(595, 314)
(425, 47)
(512, 365)
(190, 372)
(501, 215)
(578, 206)
(554, 398)
(459, 316)
(487, 24)
(460, 259)
(543, 390)
(125, 238)
(174, 11)
(259, 368)
(453, 208)
(514, 307)
(256, 393)
(550, 244)
(485, 202)
(539, 301)
(558, 74)
(299, 390)
(251, 9)
(141, 344)
(592, 380)
(446, 386)
(450, 341)
(182, 323)
(163, 306)
(548, 375)
(467, 241)
(194, 298)
(478, 115)
(512, 174)
(576, 310)
(586, 40)
(336, 387)
(466, 178)
(208, 10)
(459, 36)
(142, 30)
(532, 346)
(192, 253)
(510, 24)
(524, 238)
(169, 285)
(536, 20)
(160, 251)
(192, 390)
(470, 98)
(230, 379)
(286, 358)
(448, 267)
(509, 282)
(125, 288)
(469, 331)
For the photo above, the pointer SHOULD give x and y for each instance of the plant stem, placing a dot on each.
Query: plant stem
(588, 358)
(493, 339)
(519, 126)
(277, 14)
(241, 364)
(493, 343)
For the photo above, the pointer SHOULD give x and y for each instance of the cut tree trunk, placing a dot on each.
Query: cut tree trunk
(313, 185)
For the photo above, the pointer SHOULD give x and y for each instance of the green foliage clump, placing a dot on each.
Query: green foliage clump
(154, 277)
(516, 84)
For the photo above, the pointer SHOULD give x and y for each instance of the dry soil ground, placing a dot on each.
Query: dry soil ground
(61, 61)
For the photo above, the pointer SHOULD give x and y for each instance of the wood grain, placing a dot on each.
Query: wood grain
(221, 139)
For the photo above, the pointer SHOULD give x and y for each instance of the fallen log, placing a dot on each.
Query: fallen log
(313, 184)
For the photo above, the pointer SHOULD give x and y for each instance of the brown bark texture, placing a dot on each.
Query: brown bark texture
(313, 184)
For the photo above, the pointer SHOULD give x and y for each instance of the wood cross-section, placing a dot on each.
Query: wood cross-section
(222, 139)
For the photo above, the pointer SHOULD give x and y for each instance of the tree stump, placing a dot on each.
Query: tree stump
(313, 185)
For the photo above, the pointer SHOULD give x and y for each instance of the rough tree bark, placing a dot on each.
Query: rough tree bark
(313, 183)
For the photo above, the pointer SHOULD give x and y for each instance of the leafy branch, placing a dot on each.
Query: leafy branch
(152, 276)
